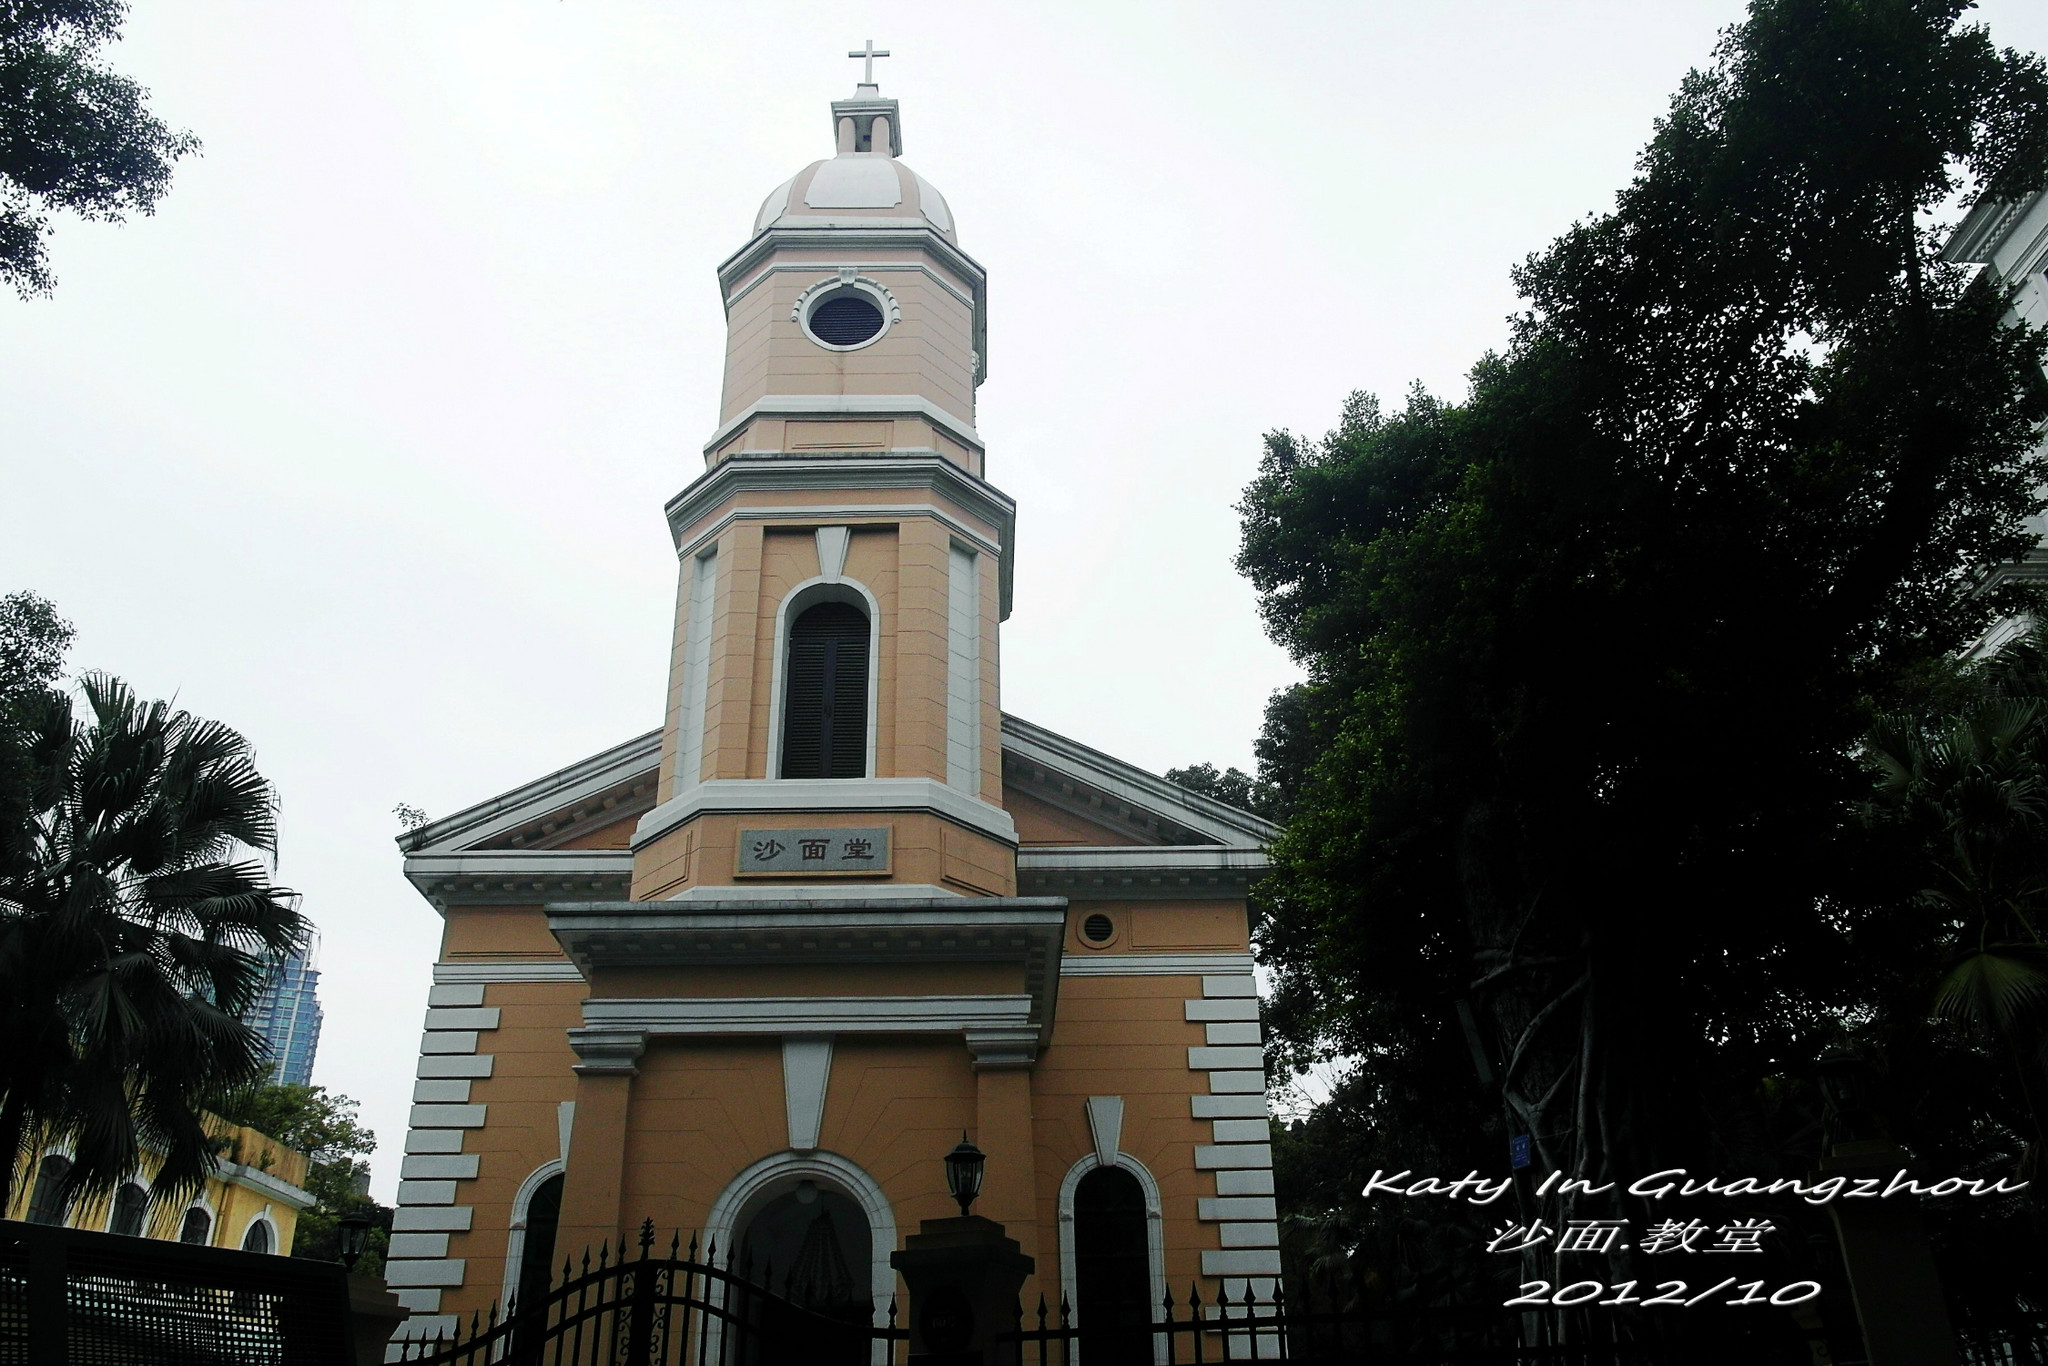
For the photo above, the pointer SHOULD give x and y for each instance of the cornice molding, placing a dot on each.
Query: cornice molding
(633, 934)
(754, 1015)
(1157, 965)
(765, 795)
(772, 473)
(844, 405)
(256, 1179)
(1135, 872)
(507, 811)
(1026, 746)
(497, 876)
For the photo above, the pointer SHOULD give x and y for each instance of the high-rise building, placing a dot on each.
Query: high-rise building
(288, 1015)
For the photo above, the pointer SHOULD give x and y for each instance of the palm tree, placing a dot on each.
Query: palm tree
(1976, 783)
(135, 928)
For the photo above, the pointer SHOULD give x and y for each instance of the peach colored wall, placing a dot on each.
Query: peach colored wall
(925, 850)
(519, 933)
(928, 352)
(529, 1079)
(1040, 823)
(1125, 1036)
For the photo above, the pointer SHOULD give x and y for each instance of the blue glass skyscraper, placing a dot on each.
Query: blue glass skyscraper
(288, 1016)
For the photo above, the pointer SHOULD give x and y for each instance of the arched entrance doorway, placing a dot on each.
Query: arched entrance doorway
(1112, 1270)
(813, 1245)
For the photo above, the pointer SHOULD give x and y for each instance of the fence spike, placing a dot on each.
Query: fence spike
(1041, 1313)
(646, 1236)
(675, 1242)
(693, 1245)
(491, 1322)
(1066, 1310)
(892, 1311)
(604, 1255)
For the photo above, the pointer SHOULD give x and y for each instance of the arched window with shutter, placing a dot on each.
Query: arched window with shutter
(47, 1203)
(825, 692)
(131, 1207)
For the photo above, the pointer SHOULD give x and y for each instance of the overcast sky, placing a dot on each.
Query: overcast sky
(360, 444)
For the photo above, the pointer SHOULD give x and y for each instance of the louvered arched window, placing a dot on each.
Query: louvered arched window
(825, 694)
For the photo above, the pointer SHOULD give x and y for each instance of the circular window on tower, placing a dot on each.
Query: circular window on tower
(845, 314)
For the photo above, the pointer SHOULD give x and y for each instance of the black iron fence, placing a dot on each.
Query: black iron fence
(69, 1297)
(676, 1310)
(690, 1308)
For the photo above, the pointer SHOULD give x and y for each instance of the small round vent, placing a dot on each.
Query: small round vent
(1098, 929)
(846, 319)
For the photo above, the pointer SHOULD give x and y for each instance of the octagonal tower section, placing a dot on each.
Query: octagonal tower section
(833, 724)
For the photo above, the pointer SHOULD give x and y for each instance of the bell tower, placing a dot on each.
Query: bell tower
(844, 562)
(766, 963)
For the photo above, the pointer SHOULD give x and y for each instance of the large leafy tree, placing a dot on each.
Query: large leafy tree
(325, 1127)
(74, 136)
(135, 928)
(1590, 654)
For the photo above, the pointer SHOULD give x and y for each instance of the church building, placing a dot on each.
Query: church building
(753, 973)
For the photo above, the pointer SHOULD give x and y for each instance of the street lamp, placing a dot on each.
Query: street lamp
(355, 1237)
(963, 1172)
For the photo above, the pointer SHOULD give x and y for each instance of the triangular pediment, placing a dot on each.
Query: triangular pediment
(589, 805)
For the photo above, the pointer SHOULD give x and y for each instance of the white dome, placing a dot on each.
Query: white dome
(856, 187)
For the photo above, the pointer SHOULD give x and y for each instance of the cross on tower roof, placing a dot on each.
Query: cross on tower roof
(869, 56)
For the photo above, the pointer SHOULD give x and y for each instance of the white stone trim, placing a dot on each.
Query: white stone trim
(818, 891)
(455, 994)
(779, 1173)
(277, 1249)
(426, 1193)
(750, 795)
(1155, 1240)
(273, 1188)
(1151, 964)
(846, 405)
(1228, 826)
(1225, 1156)
(1224, 1008)
(515, 1243)
(431, 1091)
(543, 970)
(846, 278)
(810, 593)
(963, 669)
(462, 1017)
(697, 662)
(591, 777)
(756, 1015)
(1244, 1181)
(474, 1065)
(760, 277)
(417, 1246)
(434, 1140)
(806, 1077)
(448, 1116)
(445, 1272)
(433, 1218)
(852, 514)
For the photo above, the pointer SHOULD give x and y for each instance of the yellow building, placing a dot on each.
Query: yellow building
(251, 1202)
(764, 964)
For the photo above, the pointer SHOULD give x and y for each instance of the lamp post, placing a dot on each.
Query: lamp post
(963, 1273)
(355, 1238)
(963, 1172)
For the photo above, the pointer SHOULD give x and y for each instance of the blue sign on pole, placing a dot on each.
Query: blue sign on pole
(1518, 1151)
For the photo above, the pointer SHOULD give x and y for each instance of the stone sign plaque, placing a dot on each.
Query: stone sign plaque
(796, 853)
